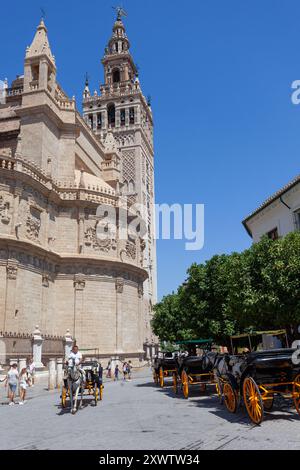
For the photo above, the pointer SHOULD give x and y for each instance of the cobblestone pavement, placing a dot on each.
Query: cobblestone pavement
(137, 415)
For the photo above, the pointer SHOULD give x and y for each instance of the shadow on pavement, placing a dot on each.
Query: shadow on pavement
(209, 400)
(86, 402)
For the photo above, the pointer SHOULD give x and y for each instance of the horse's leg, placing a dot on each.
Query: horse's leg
(81, 401)
(76, 398)
(71, 395)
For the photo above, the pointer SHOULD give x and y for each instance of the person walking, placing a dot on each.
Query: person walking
(129, 367)
(108, 368)
(12, 382)
(124, 370)
(117, 372)
(23, 385)
(31, 370)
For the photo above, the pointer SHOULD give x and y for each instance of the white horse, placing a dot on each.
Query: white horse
(75, 384)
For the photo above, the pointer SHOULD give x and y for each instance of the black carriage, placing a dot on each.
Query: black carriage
(93, 385)
(195, 369)
(261, 368)
(164, 365)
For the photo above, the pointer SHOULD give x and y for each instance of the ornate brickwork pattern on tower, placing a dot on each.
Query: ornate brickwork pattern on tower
(128, 165)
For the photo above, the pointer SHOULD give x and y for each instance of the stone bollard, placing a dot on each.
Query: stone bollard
(52, 374)
(37, 344)
(22, 364)
(59, 372)
(68, 342)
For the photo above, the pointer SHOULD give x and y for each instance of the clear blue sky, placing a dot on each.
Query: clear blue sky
(219, 73)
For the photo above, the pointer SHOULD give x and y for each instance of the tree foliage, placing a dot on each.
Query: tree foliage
(256, 289)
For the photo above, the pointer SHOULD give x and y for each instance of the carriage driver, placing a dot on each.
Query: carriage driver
(76, 355)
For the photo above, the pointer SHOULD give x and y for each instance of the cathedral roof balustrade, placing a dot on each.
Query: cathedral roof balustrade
(65, 190)
(66, 104)
(14, 91)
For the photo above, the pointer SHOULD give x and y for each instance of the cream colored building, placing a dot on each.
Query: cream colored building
(56, 168)
(278, 215)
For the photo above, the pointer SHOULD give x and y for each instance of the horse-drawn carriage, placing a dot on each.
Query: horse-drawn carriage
(84, 380)
(195, 369)
(261, 368)
(164, 365)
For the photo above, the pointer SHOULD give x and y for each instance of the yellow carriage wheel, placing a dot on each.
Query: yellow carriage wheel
(101, 392)
(175, 383)
(230, 397)
(63, 397)
(253, 400)
(161, 377)
(185, 384)
(296, 393)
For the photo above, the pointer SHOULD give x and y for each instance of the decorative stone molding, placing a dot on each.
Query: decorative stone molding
(119, 285)
(4, 208)
(12, 269)
(45, 280)
(79, 282)
(91, 239)
(33, 226)
(130, 249)
(140, 290)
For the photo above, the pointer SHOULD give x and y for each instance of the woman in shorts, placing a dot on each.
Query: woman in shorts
(23, 384)
(11, 380)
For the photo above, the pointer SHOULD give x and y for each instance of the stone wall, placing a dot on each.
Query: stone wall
(85, 298)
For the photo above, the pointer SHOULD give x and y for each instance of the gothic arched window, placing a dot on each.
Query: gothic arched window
(116, 76)
(111, 115)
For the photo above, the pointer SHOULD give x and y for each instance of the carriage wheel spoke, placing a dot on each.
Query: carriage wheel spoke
(253, 400)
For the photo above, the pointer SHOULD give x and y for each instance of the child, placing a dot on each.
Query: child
(23, 384)
(12, 382)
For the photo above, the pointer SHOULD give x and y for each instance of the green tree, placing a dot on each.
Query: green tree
(267, 285)
(256, 289)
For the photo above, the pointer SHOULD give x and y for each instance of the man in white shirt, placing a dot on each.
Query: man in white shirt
(76, 355)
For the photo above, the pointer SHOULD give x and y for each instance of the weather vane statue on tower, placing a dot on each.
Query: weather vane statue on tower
(120, 12)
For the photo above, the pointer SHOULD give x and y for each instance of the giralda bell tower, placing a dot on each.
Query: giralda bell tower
(122, 111)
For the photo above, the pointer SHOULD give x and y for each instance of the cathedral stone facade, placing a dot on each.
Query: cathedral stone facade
(56, 169)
